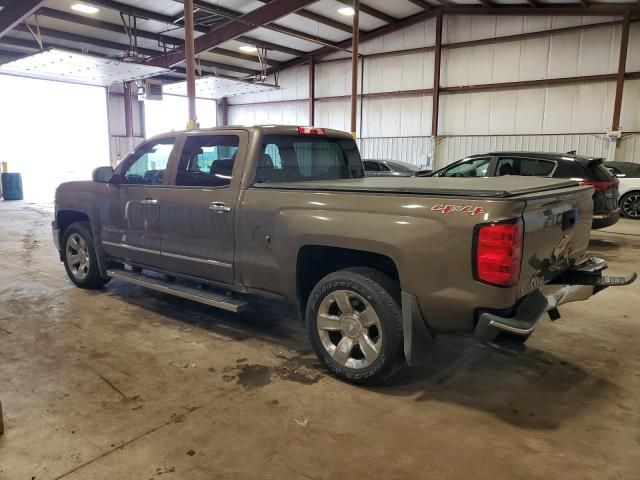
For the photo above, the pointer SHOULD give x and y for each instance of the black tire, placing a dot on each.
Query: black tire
(624, 210)
(382, 294)
(90, 278)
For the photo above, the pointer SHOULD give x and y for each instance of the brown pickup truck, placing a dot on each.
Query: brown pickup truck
(377, 266)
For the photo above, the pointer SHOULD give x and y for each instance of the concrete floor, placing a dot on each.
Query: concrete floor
(128, 384)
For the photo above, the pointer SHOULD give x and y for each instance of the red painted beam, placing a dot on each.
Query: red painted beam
(234, 28)
(622, 63)
(16, 12)
(370, 35)
(436, 77)
(355, 41)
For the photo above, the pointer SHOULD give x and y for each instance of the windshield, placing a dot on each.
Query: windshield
(476, 167)
(290, 158)
(403, 167)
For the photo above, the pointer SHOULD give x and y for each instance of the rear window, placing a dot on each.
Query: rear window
(600, 173)
(289, 158)
(570, 169)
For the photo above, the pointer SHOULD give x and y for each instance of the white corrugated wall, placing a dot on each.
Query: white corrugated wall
(556, 118)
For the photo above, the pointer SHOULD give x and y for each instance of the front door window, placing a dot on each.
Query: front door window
(149, 163)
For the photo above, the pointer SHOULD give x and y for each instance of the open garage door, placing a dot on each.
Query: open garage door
(52, 132)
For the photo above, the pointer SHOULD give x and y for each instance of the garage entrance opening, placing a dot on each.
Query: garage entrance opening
(52, 132)
(171, 112)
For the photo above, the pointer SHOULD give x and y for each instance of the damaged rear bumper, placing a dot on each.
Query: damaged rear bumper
(576, 284)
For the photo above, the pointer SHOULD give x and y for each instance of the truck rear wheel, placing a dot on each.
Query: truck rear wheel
(354, 323)
(79, 257)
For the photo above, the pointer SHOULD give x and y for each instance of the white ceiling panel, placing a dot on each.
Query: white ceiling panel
(215, 87)
(112, 16)
(313, 28)
(282, 39)
(271, 54)
(329, 8)
(61, 65)
(395, 9)
(165, 7)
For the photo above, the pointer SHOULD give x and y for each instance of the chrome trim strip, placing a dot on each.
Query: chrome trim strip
(217, 263)
(129, 247)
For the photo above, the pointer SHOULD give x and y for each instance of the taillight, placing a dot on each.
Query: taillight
(602, 186)
(498, 253)
(311, 131)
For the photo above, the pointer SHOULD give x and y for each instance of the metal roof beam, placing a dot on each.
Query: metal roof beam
(158, 17)
(121, 47)
(422, 4)
(233, 29)
(378, 32)
(137, 11)
(16, 13)
(371, 11)
(559, 9)
(270, 46)
(316, 17)
(233, 15)
(171, 42)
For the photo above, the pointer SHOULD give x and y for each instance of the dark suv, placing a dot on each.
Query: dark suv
(587, 170)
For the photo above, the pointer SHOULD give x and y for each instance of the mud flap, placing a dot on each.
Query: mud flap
(101, 258)
(417, 338)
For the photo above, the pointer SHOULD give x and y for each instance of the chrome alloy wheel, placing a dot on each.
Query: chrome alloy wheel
(631, 205)
(349, 329)
(77, 255)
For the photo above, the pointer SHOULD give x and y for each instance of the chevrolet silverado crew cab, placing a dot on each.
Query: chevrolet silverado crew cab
(376, 266)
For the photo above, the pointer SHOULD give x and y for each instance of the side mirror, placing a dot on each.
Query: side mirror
(103, 174)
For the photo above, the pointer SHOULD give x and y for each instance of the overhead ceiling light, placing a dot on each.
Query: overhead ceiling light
(247, 48)
(84, 8)
(347, 11)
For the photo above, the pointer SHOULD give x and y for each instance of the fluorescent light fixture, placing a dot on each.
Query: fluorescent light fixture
(347, 11)
(84, 8)
(248, 48)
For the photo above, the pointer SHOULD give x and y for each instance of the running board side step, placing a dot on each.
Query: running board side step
(217, 300)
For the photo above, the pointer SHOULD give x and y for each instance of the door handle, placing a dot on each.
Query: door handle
(149, 201)
(219, 207)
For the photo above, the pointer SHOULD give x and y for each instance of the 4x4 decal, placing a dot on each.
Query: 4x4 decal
(446, 209)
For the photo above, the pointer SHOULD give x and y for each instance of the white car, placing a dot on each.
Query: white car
(629, 175)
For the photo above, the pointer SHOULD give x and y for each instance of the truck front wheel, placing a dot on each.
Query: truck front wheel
(354, 322)
(79, 257)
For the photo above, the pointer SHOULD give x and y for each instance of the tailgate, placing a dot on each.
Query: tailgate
(557, 228)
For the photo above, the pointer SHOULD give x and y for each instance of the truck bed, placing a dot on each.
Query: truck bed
(491, 187)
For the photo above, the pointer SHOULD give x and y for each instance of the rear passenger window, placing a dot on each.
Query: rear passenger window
(544, 168)
(207, 161)
(527, 167)
(371, 166)
(291, 158)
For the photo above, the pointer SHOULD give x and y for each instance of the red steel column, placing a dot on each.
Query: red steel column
(312, 91)
(190, 57)
(128, 111)
(354, 66)
(436, 76)
(622, 64)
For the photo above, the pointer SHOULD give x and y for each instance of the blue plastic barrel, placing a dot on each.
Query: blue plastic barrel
(12, 186)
